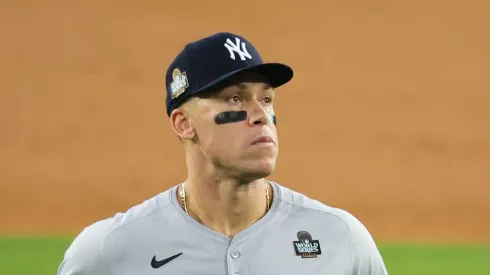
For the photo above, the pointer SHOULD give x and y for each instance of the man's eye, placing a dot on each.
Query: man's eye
(268, 100)
(235, 99)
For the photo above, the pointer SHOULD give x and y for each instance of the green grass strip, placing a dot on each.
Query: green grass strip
(33, 255)
(42, 256)
(436, 260)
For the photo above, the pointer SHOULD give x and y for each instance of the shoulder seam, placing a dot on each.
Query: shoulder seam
(159, 209)
(324, 212)
(123, 225)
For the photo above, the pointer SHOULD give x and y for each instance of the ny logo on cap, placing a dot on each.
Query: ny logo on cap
(235, 48)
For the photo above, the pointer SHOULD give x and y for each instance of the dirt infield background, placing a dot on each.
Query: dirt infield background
(387, 115)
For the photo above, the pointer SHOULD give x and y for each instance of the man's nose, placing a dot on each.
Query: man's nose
(258, 115)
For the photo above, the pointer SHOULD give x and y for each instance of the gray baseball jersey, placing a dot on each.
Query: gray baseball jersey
(297, 236)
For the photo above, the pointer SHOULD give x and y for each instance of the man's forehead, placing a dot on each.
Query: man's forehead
(248, 81)
(249, 86)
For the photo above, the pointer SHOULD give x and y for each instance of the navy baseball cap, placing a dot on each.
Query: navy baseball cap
(209, 61)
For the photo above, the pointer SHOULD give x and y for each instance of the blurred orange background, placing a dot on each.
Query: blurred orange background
(387, 115)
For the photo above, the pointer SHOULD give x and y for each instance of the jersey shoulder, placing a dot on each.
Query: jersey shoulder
(86, 254)
(301, 203)
(365, 256)
(334, 217)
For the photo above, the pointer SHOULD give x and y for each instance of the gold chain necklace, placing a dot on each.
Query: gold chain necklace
(184, 200)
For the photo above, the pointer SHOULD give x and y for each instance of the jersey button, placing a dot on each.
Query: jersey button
(235, 254)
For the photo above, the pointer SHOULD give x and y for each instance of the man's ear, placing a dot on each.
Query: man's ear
(181, 124)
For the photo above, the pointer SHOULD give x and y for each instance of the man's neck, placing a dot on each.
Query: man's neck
(224, 205)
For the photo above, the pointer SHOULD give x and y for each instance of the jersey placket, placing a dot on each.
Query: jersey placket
(234, 260)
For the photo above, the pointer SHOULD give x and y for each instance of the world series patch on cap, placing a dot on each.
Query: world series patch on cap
(179, 83)
(207, 62)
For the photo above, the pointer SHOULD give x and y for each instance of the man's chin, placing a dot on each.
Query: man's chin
(259, 170)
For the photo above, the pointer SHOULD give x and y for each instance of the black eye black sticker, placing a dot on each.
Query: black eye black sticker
(230, 117)
(237, 116)
(273, 119)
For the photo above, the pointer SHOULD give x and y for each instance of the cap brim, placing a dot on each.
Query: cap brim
(276, 73)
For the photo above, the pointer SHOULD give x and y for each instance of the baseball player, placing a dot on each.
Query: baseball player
(225, 218)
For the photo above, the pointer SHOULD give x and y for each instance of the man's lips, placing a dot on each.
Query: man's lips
(263, 140)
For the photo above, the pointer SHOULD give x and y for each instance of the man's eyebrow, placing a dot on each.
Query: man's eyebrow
(244, 86)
